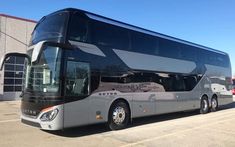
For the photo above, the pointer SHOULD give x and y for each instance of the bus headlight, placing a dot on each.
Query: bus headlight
(50, 115)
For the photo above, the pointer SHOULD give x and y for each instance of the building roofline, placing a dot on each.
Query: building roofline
(19, 18)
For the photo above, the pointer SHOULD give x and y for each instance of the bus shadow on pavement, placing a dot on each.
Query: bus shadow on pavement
(81, 131)
(102, 128)
(171, 116)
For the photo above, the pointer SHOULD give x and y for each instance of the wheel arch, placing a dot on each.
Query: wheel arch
(204, 95)
(215, 96)
(207, 97)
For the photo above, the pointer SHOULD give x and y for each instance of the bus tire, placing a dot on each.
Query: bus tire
(119, 116)
(214, 104)
(204, 106)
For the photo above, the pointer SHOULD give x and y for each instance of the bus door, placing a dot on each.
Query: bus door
(76, 90)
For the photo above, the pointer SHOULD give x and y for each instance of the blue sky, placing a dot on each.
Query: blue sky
(206, 22)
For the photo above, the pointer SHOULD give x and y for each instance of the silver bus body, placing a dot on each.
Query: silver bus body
(148, 83)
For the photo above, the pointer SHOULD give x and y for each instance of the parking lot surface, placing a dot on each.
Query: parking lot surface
(177, 129)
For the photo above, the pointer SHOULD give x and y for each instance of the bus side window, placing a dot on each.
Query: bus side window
(78, 28)
(109, 35)
(77, 78)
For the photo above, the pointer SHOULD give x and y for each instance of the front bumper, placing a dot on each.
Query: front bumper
(55, 124)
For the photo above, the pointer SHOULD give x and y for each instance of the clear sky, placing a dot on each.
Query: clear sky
(206, 22)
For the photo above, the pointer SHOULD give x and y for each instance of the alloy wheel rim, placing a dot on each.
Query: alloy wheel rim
(119, 115)
(214, 103)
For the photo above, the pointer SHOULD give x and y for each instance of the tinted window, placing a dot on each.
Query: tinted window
(222, 60)
(50, 27)
(18, 81)
(95, 80)
(9, 81)
(109, 35)
(9, 67)
(9, 74)
(11, 59)
(144, 43)
(78, 78)
(18, 88)
(19, 68)
(213, 58)
(20, 60)
(169, 48)
(190, 81)
(18, 74)
(188, 52)
(155, 81)
(8, 88)
(13, 74)
(78, 28)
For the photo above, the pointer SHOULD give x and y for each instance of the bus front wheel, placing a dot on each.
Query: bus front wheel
(119, 116)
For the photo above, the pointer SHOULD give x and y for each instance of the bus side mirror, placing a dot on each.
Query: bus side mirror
(37, 50)
(6, 56)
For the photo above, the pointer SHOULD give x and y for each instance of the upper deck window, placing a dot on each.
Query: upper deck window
(99, 33)
(78, 28)
(109, 35)
(51, 27)
(144, 43)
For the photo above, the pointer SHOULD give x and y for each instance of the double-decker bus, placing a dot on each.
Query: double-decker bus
(83, 69)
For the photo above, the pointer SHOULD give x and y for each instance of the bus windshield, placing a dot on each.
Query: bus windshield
(43, 76)
(51, 27)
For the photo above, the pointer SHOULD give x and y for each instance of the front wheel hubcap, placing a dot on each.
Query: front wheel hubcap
(119, 115)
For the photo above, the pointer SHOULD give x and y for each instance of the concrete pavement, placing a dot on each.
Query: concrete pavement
(178, 129)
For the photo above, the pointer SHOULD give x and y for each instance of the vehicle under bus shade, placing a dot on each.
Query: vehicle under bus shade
(82, 68)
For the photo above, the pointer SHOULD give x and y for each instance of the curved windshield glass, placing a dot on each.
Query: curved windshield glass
(43, 76)
(51, 27)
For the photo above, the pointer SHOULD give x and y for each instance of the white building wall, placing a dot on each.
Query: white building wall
(2, 50)
(14, 37)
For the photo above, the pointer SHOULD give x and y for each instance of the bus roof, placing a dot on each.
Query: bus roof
(139, 29)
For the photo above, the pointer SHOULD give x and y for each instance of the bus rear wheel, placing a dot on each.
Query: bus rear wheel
(119, 116)
(204, 108)
(214, 104)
